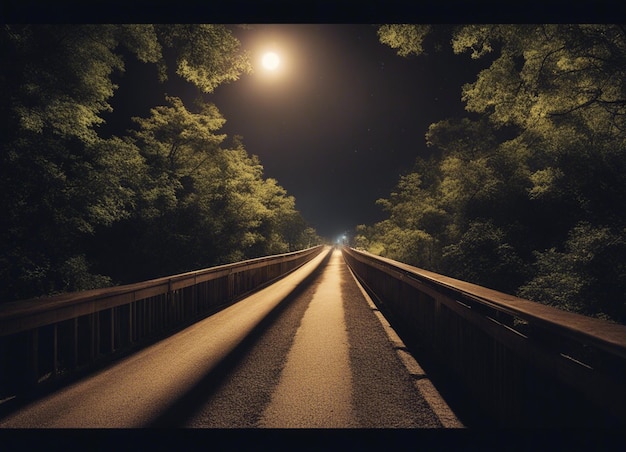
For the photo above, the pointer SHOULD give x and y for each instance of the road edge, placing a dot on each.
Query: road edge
(421, 381)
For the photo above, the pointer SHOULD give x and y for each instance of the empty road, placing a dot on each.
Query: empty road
(329, 360)
(324, 358)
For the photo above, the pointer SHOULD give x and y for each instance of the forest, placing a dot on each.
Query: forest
(526, 193)
(83, 210)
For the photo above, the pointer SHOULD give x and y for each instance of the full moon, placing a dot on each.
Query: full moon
(271, 61)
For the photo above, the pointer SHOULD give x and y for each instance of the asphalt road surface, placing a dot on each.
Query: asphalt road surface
(322, 358)
(330, 360)
(137, 390)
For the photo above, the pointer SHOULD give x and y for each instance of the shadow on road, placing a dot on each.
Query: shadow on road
(188, 405)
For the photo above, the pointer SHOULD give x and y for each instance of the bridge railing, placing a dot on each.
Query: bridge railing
(44, 339)
(522, 363)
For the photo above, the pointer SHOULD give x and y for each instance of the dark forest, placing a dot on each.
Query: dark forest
(525, 193)
(84, 209)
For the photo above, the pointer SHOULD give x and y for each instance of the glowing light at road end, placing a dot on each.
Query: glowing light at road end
(270, 61)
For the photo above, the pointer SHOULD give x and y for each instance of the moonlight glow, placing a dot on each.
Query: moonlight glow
(271, 61)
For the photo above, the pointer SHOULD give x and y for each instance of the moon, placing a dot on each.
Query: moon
(270, 61)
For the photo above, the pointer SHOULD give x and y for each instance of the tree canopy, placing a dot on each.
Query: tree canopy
(82, 211)
(526, 194)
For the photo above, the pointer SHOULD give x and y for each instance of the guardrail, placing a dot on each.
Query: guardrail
(45, 339)
(523, 363)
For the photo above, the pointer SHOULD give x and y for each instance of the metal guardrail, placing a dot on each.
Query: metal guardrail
(45, 339)
(523, 363)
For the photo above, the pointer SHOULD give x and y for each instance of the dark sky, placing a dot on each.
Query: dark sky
(340, 120)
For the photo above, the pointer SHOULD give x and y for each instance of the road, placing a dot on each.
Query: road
(324, 358)
(329, 360)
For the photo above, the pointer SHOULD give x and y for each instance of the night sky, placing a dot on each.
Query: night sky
(337, 124)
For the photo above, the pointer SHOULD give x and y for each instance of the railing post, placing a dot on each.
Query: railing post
(79, 328)
(131, 319)
(538, 374)
(94, 336)
(33, 367)
(230, 290)
(55, 350)
(112, 332)
(74, 340)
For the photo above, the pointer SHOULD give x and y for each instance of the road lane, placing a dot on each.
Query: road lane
(322, 359)
(367, 335)
(283, 381)
(137, 389)
(315, 388)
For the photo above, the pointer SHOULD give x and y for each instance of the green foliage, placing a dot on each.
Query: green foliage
(548, 75)
(208, 55)
(483, 246)
(413, 246)
(60, 77)
(175, 143)
(81, 211)
(201, 205)
(406, 38)
(112, 181)
(540, 167)
(588, 277)
(362, 236)
(142, 41)
(544, 182)
(75, 275)
(417, 220)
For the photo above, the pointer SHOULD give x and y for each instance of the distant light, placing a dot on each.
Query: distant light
(271, 61)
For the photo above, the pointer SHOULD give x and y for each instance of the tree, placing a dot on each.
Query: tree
(545, 155)
(483, 256)
(60, 182)
(417, 221)
(588, 276)
(176, 143)
(207, 55)
(58, 179)
(562, 87)
(407, 39)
